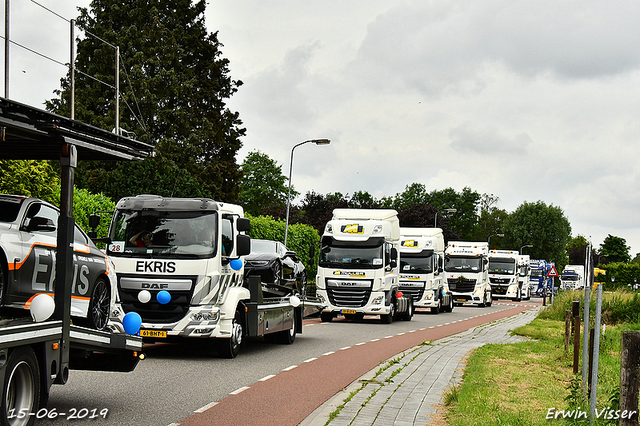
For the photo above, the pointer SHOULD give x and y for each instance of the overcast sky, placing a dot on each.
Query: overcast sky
(525, 100)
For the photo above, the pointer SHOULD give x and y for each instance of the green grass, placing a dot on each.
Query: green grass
(517, 384)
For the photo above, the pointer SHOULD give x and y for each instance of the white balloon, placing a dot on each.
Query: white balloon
(42, 307)
(295, 301)
(144, 296)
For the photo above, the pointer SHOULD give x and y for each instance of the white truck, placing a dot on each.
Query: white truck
(572, 277)
(465, 267)
(504, 274)
(358, 269)
(179, 265)
(524, 275)
(421, 267)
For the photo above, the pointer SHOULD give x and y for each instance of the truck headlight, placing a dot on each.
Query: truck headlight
(378, 300)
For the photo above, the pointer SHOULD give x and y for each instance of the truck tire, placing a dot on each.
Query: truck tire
(438, 308)
(388, 318)
(229, 348)
(519, 296)
(21, 388)
(326, 316)
(408, 315)
(3, 278)
(449, 307)
(490, 299)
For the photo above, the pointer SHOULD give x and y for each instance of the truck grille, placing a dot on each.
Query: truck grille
(461, 285)
(153, 311)
(499, 289)
(352, 297)
(415, 292)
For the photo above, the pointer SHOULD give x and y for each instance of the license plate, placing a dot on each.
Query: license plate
(462, 300)
(153, 333)
(348, 311)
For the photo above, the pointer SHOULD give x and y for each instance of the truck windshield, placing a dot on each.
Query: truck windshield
(569, 277)
(152, 233)
(365, 257)
(462, 264)
(417, 263)
(536, 273)
(502, 266)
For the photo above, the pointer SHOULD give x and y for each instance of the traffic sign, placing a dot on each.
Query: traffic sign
(552, 272)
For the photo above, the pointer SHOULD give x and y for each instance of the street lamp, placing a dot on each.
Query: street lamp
(435, 221)
(317, 142)
(525, 246)
(494, 235)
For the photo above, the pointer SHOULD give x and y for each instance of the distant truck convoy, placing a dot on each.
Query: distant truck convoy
(421, 269)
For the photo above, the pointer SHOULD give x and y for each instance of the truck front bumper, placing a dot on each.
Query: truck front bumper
(376, 305)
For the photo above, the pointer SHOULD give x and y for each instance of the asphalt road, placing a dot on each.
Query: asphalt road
(176, 381)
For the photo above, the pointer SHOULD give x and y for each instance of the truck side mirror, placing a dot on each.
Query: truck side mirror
(94, 221)
(312, 251)
(243, 245)
(243, 224)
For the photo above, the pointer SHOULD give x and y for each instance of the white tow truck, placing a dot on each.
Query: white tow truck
(39, 351)
(421, 267)
(504, 274)
(358, 269)
(179, 264)
(465, 267)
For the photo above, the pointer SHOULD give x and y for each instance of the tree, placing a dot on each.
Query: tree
(317, 209)
(175, 84)
(615, 249)
(30, 178)
(491, 219)
(263, 185)
(543, 226)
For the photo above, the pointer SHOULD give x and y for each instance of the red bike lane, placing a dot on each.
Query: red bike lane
(290, 396)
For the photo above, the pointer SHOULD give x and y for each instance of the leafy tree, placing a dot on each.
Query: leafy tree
(30, 178)
(317, 209)
(543, 226)
(364, 200)
(615, 249)
(174, 87)
(490, 220)
(263, 185)
(86, 204)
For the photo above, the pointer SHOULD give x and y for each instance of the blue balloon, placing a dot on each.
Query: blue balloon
(236, 264)
(132, 322)
(163, 297)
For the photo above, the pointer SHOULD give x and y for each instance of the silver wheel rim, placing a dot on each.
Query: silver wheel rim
(20, 392)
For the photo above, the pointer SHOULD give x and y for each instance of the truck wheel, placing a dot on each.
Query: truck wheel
(519, 296)
(449, 307)
(438, 308)
(21, 388)
(326, 316)
(409, 314)
(489, 300)
(229, 348)
(100, 305)
(388, 319)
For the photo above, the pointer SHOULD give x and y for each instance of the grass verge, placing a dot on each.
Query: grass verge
(525, 383)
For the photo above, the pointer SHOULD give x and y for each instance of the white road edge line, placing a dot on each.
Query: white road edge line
(237, 391)
(266, 378)
(310, 359)
(290, 368)
(203, 409)
(329, 353)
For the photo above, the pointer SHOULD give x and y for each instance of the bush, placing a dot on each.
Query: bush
(84, 204)
(620, 306)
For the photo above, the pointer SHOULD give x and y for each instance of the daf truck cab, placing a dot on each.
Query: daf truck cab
(358, 269)
(421, 269)
(504, 274)
(465, 267)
